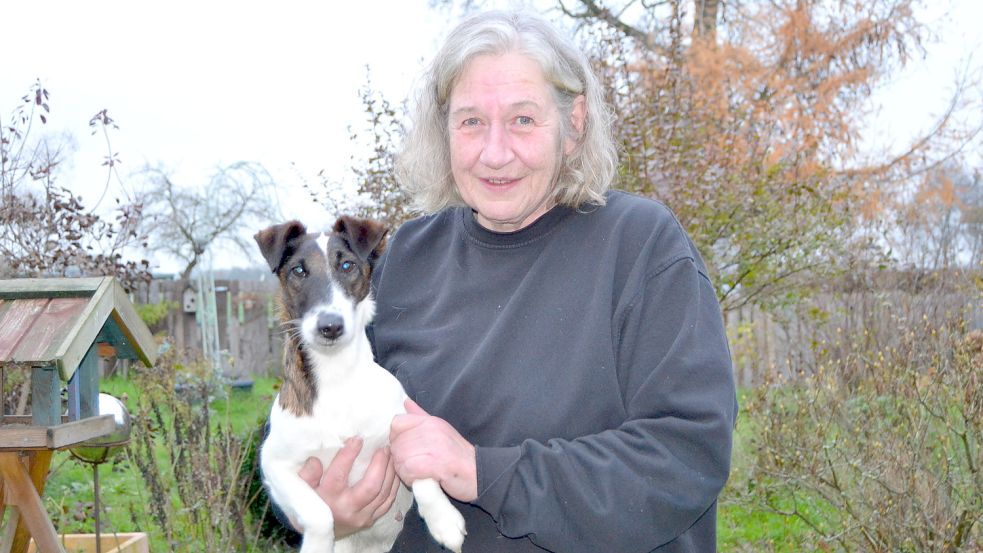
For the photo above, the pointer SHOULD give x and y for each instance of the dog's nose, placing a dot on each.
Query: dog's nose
(330, 326)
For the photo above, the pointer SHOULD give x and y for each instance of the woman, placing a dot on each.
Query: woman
(562, 341)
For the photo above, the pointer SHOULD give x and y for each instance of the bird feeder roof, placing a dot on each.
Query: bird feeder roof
(54, 321)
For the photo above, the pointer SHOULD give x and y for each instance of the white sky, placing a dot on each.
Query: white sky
(195, 85)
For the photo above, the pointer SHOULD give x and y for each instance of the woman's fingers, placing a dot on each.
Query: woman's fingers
(335, 477)
(311, 472)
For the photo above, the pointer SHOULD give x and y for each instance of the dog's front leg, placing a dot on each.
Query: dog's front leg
(444, 521)
(302, 505)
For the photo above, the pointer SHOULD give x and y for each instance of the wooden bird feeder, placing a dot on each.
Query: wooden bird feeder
(53, 329)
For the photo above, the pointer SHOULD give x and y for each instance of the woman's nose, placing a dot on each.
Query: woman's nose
(497, 151)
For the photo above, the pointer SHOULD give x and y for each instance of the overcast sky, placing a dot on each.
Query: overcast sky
(194, 85)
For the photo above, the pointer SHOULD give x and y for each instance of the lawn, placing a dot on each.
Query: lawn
(740, 528)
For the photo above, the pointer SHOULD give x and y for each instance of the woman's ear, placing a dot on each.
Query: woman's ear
(578, 118)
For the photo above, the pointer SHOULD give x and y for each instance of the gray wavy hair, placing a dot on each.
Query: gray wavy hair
(423, 167)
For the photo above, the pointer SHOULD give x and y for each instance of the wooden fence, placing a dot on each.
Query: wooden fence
(765, 344)
(248, 331)
(770, 345)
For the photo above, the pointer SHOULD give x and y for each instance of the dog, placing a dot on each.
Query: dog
(332, 388)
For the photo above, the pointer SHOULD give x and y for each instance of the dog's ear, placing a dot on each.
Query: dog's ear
(275, 242)
(365, 237)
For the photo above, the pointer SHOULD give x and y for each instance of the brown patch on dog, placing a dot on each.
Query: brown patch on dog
(361, 242)
(298, 391)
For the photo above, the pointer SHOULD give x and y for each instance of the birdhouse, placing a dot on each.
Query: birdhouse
(189, 300)
(51, 333)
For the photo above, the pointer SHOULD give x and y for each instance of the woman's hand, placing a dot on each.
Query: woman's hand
(424, 446)
(357, 506)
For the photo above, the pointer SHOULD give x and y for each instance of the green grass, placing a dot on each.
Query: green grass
(69, 496)
(740, 527)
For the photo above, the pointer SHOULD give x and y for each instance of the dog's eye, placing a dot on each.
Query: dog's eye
(347, 266)
(299, 270)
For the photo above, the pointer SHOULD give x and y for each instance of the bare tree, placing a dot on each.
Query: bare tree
(44, 229)
(185, 222)
(937, 225)
(379, 194)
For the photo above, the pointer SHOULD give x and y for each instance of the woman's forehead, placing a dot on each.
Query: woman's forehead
(509, 80)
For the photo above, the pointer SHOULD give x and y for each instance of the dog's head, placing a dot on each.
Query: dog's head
(325, 277)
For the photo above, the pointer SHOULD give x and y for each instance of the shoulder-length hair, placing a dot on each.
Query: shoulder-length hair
(423, 167)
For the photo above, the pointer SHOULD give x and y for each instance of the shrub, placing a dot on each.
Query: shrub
(193, 468)
(876, 446)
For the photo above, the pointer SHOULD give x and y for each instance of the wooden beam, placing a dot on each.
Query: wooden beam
(133, 327)
(38, 463)
(86, 328)
(109, 304)
(26, 497)
(21, 288)
(45, 396)
(83, 388)
(17, 437)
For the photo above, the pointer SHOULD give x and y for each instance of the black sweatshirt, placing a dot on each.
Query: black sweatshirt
(584, 356)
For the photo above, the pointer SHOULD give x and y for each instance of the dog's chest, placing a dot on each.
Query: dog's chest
(362, 405)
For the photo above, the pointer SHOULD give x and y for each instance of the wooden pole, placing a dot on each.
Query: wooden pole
(24, 486)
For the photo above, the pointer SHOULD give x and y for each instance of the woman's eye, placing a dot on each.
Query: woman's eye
(347, 266)
(471, 122)
(524, 120)
(299, 270)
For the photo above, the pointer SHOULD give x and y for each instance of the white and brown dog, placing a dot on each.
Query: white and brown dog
(332, 388)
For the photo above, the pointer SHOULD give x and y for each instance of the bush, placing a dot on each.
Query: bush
(876, 445)
(194, 468)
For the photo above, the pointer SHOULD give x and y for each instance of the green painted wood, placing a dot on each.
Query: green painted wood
(45, 396)
(83, 388)
(137, 334)
(87, 326)
(112, 334)
(74, 397)
(49, 287)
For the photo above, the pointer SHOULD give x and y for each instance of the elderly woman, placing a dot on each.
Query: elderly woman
(562, 341)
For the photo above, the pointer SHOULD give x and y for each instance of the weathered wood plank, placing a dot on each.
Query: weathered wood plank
(88, 379)
(25, 496)
(22, 288)
(5, 304)
(18, 437)
(87, 325)
(38, 463)
(45, 396)
(51, 328)
(16, 323)
(137, 334)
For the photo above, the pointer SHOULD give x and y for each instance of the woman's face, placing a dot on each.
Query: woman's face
(505, 140)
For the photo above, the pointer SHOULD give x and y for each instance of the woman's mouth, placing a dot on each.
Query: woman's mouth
(499, 181)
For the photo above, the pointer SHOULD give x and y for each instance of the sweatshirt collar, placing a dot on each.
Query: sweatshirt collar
(528, 234)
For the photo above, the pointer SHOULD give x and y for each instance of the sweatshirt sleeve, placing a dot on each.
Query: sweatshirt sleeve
(642, 484)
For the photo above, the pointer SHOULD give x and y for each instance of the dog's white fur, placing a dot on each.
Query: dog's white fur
(355, 397)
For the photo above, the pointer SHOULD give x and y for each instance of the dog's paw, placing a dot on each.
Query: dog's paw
(448, 529)
(318, 540)
(315, 545)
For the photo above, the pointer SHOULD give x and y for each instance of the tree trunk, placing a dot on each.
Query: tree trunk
(705, 19)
